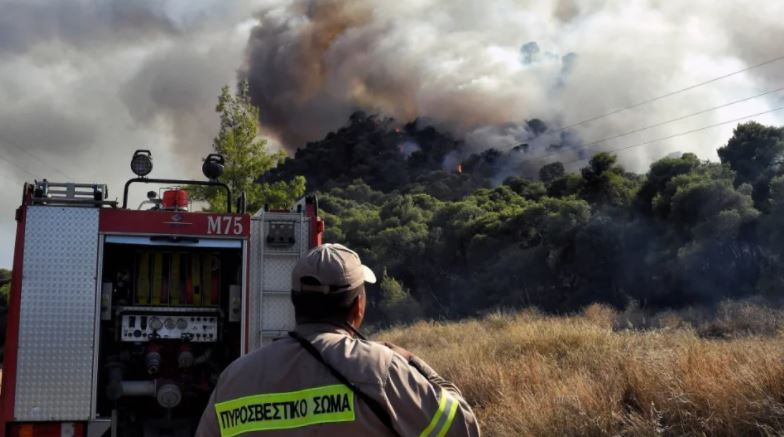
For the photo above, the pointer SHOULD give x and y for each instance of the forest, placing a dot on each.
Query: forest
(452, 234)
(451, 242)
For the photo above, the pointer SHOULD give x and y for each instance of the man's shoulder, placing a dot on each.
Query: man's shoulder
(373, 351)
(366, 361)
(254, 361)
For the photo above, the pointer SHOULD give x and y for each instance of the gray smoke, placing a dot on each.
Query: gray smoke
(25, 25)
(85, 82)
(477, 68)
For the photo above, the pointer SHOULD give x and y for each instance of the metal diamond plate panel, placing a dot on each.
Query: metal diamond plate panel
(271, 274)
(254, 287)
(304, 241)
(277, 272)
(58, 310)
(277, 313)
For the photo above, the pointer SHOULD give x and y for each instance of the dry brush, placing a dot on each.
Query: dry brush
(528, 374)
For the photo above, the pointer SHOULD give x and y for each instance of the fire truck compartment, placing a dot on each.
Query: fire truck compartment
(170, 322)
(57, 314)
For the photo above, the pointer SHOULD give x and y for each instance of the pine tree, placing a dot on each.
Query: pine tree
(247, 157)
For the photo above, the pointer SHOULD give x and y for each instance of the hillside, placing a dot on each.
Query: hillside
(528, 374)
(455, 233)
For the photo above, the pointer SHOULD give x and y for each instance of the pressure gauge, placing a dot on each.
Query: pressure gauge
(169, 323)
(182, 323)
(156, 324)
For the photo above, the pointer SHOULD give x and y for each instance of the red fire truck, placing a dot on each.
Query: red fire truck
(121, 318)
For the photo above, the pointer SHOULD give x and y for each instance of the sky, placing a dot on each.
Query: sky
(85, 83)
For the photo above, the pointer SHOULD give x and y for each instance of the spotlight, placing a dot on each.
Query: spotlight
(141, 163)
(213, 166)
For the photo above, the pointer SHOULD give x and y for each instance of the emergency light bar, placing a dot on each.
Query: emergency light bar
(141, 165)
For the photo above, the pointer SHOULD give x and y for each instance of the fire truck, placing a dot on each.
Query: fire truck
(121, 318)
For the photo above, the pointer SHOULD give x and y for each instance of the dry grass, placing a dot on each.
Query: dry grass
(528, 374)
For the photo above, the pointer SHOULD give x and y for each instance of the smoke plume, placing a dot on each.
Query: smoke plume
(85, 82)
(482, 69)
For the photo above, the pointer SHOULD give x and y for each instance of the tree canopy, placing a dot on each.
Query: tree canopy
(451, 243)
(756, 153)
(5, 285)
(246, 158)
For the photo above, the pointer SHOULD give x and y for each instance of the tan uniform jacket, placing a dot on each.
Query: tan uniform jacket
(283, 390)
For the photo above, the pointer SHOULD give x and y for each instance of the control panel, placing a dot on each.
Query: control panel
(198, 327)
(281, 234)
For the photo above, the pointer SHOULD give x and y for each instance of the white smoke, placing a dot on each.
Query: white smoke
(476, 68)
(407, 148)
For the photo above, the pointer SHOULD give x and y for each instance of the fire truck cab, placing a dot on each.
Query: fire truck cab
(120, 318)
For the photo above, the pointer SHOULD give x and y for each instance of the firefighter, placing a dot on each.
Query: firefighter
(325, 378)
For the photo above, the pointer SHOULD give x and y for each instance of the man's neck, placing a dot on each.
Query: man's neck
(345, 326)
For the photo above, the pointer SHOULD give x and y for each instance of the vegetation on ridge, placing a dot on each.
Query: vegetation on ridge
(689, 231)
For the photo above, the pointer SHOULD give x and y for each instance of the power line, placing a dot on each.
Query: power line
(683, 117)
(17, 166)
(37, 158)
(735, 120)
(671, 93)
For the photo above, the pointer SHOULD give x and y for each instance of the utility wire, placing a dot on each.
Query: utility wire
(670, 94)
(37, 158)
(662, 123)
(656, 140)
(17, 166)
(683, 117)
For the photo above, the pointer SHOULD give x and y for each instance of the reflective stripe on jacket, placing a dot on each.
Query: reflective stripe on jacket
(282, 390)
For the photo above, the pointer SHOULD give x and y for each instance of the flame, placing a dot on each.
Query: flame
(397, 130)
(459, 168)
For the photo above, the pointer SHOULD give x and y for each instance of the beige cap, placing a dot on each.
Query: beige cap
(335, 266)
